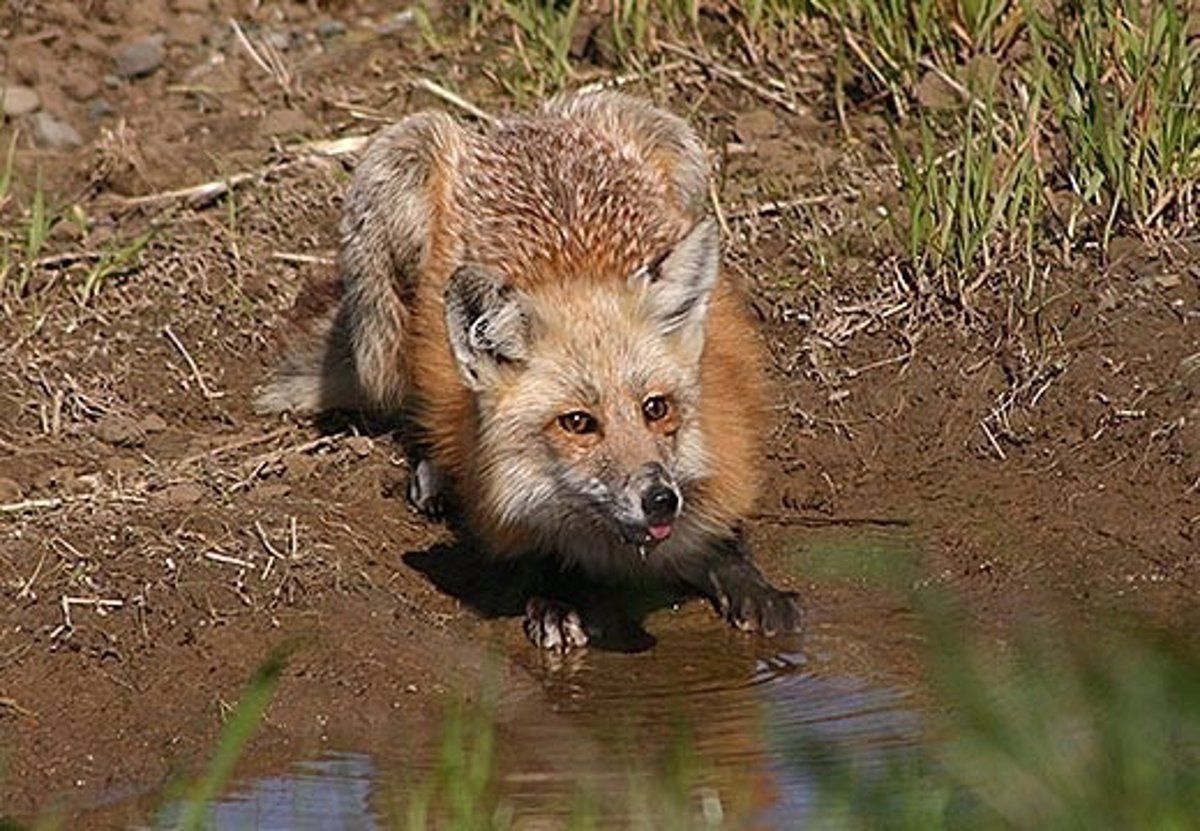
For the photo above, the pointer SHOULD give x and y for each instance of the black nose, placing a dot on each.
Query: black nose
(659, 504)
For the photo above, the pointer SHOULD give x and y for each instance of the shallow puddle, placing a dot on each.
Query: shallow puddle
(730, 730)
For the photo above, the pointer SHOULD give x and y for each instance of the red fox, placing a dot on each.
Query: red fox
(544, 298)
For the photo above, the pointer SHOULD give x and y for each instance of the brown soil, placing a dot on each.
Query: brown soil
(1047, 466)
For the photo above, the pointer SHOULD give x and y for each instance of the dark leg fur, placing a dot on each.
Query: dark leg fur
(741, 594)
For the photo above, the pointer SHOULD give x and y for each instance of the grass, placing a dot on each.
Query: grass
(973, 207)
(1124, 79)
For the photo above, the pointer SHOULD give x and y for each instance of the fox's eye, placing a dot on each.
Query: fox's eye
(655, 408)
(577, 422)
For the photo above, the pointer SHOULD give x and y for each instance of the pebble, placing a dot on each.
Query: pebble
(118, 430)
(140, 57)
(331, 29)
(755, 125)
(99, 109)
(360, 446)
(153, 423)
(933, 93)
(18, 100)
(54, 134)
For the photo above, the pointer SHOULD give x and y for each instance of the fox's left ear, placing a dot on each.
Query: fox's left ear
(679, 284)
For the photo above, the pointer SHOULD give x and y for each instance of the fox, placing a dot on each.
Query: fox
(543, 298)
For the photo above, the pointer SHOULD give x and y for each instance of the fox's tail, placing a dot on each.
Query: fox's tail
(317, 373)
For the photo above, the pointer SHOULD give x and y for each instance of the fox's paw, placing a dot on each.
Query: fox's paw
(760, 607)
(553, 626)
(426, 488)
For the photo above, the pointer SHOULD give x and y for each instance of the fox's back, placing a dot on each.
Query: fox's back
(552, 199)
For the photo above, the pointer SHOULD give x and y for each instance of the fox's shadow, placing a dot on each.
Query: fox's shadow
(494, 588)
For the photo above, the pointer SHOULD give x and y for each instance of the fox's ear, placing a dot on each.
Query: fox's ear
(487, 324)
(679, 284)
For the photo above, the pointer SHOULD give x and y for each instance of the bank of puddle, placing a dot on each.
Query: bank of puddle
(745, 729)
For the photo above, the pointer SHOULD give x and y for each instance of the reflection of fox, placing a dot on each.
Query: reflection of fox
(544, 298)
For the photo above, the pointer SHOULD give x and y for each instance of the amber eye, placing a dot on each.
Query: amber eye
(655, 408)
(578, 422)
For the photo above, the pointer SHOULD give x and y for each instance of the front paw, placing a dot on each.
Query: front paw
(426, 490)
(760, 608)
(554, 626)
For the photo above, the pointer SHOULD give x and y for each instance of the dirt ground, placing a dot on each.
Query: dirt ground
(158, 539)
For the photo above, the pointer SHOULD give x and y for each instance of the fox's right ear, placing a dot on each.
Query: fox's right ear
(487, 324)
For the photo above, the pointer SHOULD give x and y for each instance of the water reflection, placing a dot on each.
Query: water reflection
(331, 793)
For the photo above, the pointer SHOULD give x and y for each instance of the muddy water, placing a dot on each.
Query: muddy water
(739, 727)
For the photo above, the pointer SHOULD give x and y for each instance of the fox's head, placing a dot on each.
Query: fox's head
(587, 392)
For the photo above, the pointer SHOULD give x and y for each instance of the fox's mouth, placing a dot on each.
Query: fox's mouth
(645, 536)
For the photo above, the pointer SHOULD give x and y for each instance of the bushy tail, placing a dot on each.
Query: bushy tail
(317, 373)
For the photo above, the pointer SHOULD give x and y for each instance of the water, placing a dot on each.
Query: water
(749, 723)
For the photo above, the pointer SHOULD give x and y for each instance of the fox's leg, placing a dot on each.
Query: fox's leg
(742, 595)
(427, 488)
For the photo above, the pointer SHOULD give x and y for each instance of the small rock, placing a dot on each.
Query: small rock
(756, 124)
(396, 23)
(187, 493)
(933, 93)
(331, 29)
(53, 134)
(119, 431)
(1168, 281)
(153, 423)
(100, 109)
(85, 483)
(139, 58)
(279, 39)
(17, 100)
(360, 446)
(10, 491)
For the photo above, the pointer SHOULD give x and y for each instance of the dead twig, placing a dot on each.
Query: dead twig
(434, 88)
(236, 445)
(208, 393)
(735, 76)
(268, 58)
(225, 559)
(618, 81)
(302, 259)
(779, 207)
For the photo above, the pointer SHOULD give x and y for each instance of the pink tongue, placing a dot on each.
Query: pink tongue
(659, 532)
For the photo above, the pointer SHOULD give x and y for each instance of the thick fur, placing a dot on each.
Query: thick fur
(492, 278)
